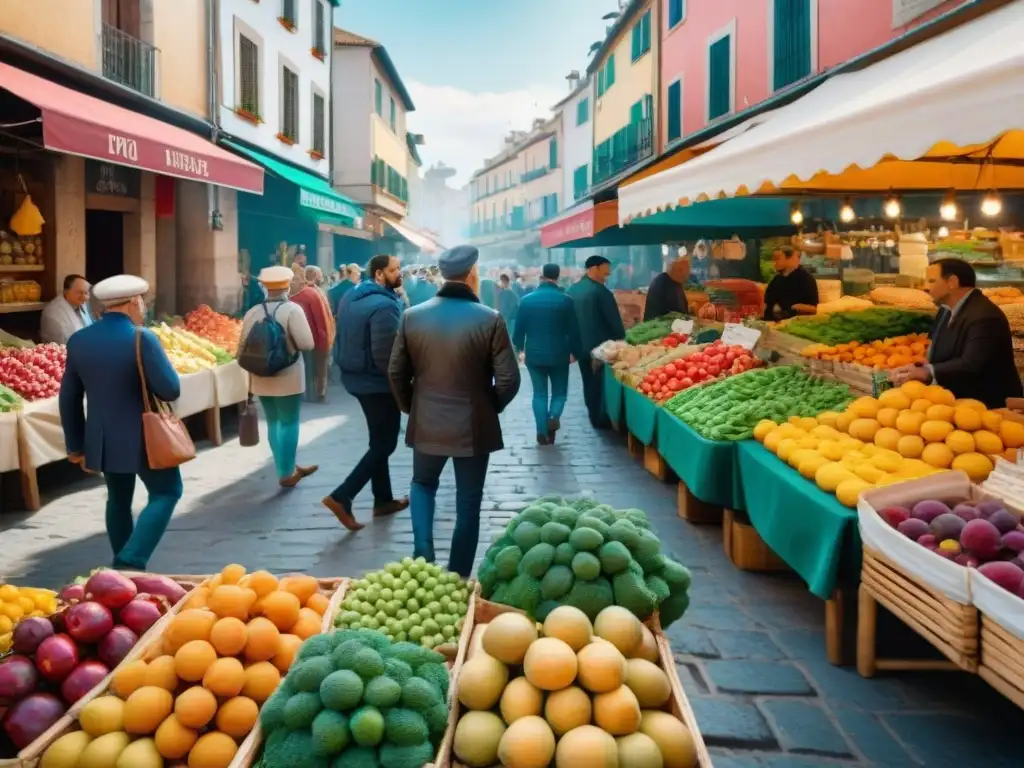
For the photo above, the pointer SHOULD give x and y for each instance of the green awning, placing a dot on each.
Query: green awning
(315, 194)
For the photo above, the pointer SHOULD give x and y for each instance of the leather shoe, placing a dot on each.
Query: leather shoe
(343, 511)
(387, 508)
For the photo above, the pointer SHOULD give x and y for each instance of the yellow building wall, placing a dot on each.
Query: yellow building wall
(67, 29)
(387, 147)
(179, 32)
(633, 80)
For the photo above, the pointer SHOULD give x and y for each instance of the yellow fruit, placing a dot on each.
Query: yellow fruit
(318, 602)
(988, 443)
(197, 598)
(520, 699)
(910, 446)
(762, 429)
(889, 480)
(141, 753)
(282, 608)
(1010, 455)
(828, 418)
(507, 637)
(188, 625)
(913, 468)
(228, 636)
(939, 395)
(587, 745)
(12, 610)
(602, 667)
(146, 709)
(570, 625)
(303, 587)
(477, 736)
(786, 447)
(648, 648)
(864, 408)
(960, 442)
(66, 750)
(212, 750)
(527, 743)
(864, 429)
(648, 682)
(237, 716)
(940, 413)
(1012, 433)
(967, 418)
(173, 740)
(617, 712)
(867, 472)
(831, 475)
(102, 715)
(161, 674)
(823, 432)
(550, 664)
(810, 464)
(843, 421)
(831, 450)
(772, 440)
(888, 461)
(806, 423)
(976, 465)
(894, 398)
(481, 682)
(6, 625)
(967, 402)
(232, 574)
(869, 450)
(567, 709)
(850, 490)
(672, 737)
(195, 707)
(991, 420)
(261, 679)
(231, 600)
(887, 438)
(193, 659)
(225, 677)
(128, 678)
(638, 750)
(104, 751)
(262, 639)
(308, 624)
(914, 389)
(287, 647)
(909, 422)
(936, 431)
(921, 406)
(620, 627)
(887, 417)
(262, 583)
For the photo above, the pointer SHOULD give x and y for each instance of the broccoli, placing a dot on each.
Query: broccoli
(397, 670)
(293, 749)
(632, 593)
(675, 575)
(554, 533)
(591, 597)
(524, 593)
(317, 645)
(416, 756)
(651, 564)
(502, 593)
(673, 607)
(437, 719)
(545, 608)
(624, 532)
(527, 535)
(657, 586)
(507, 562)
(487, 575)
(357, 757)
(556, 582)
(614, 557)
(412, 654)
(648, 546)
(435, 673)
(272, 713)
(537, 560)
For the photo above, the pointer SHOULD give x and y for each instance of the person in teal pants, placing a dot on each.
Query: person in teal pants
(547, 334)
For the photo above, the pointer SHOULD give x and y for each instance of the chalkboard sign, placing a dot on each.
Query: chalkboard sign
(110, 179)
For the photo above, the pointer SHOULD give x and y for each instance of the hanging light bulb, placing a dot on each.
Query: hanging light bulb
(943, 231)
(991, 205)
(846, 213)
(949, 210)
(664, 250)
(796, 215)
(892, 208)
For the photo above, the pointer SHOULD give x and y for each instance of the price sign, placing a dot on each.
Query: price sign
(736, 334)
(682, 326)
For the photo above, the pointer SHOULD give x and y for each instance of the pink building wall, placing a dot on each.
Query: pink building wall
(845, 30)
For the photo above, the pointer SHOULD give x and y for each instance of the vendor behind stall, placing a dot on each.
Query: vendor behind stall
(793, 291)
(971, 352)
(67, 313)
(666, 293)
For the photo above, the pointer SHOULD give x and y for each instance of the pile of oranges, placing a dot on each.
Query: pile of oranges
(882, 355)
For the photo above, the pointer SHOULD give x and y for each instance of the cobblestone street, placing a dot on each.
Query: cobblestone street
(750, 651)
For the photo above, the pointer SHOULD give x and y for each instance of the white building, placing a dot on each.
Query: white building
(576, 111)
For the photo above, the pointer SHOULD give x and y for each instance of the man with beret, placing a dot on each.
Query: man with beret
(453, 371)
(599, 320)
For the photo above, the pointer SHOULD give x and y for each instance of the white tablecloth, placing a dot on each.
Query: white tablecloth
(8, 442)
(41, 431)
(197, 394)
(232, 383)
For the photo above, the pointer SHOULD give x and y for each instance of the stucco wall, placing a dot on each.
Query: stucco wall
(353, 147)
(387, 146)
(577, 143)
(70, 30)
(633, 81)
(179, 32)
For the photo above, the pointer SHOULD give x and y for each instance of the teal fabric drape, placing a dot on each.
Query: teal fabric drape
(612, 395)
(708, 467)
(641, 416)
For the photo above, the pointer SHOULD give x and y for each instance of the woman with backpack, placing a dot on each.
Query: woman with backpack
(274, 333)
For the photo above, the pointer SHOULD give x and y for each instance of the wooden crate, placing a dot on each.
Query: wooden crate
(635, 446)
(655, 464)
(1001, 664)
(949, 626)
(694, 510)
(746, 549)
(483, 611)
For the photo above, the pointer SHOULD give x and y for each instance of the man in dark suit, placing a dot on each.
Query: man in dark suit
(453, 370)
(971, 352)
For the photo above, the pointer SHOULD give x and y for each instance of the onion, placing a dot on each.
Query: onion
(117, 644)
(29, 633)
(88, 622)
(110, 588)
(140, 614)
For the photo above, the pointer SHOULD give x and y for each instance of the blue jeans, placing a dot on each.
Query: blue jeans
(558, 375)
(134, 542)
(282, 430)
(470, 473)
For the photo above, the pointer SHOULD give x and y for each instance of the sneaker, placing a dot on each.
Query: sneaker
(387, 508)
(343, 511)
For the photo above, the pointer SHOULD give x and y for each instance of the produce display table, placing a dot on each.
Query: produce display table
(612, 393)
(707, 467)
(641, 416)
(8, 442)
(40, 441)
(198, 394)
(231, 384)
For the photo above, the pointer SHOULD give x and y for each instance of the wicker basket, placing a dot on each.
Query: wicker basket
(1002, 661)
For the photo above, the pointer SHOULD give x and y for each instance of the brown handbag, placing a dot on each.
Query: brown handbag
(168, 444)
(248, 424)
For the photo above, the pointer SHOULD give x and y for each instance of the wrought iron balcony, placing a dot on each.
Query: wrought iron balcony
(626, 148)
(129, 61)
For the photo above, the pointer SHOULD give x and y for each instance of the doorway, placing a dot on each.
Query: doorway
(104, 244)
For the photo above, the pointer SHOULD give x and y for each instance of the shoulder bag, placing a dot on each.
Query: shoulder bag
(168, 444)
(248, 423)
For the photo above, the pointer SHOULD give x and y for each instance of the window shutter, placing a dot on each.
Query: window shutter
(609, 79)
(676, 9)
(792, 48)
(636, 113)
(553, 154)
(318, 26)
(675, 110)
(719, 85)
(378, 97)
(645, 32)
(637, 40)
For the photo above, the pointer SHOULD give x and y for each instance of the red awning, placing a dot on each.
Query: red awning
(581, 225)
(82, 125)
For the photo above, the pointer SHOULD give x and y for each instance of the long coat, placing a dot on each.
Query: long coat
(546, 328)
(101, 367)
(597, 313)
(453, 371)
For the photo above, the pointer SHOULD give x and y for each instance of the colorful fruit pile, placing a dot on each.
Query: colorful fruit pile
(730, 409)
(866, 325)
(196, 694)
(213, 326)
(712, 361)
(34, 373)
(586, 555)
(652, 330)
(187, 352)
(408, 600)
(17, 603)
(880, 355)
(60, 658)
(578, 695)
(358, 699)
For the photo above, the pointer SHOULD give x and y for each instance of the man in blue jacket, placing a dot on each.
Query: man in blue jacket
(368, 319)
(508, 302)
(548, 334)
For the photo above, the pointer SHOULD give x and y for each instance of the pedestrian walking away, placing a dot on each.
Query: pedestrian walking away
(368, 320)
(320, 317)
(508, 303)
(277, 330)
(599, 320)
(453, 371)
(547, 334)
(103, 367)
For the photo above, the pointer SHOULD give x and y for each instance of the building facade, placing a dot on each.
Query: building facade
(576, 114)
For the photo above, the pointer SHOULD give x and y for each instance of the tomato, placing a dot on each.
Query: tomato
(662, 377)
(714, 370)
(686, 382)
(670, 369)
(691, 371)
(673, 384)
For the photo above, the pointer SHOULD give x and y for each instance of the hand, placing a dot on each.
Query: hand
(572, 359)
(522, 357)
(920, 373)
(79, 460)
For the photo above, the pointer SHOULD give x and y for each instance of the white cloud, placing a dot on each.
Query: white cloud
(462, 129)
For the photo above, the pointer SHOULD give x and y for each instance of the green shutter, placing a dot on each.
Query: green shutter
(792, 34)
(675, 110)
(609, 78)
(676, 12)
(553, 154)
(637, 41)
(636, 112)
(719, 76)
(378, 97)
(645, 31)
(582, 111)
(600, 83)
(579, 182)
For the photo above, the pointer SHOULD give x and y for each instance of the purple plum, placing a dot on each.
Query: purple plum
(895, 515)
(987, 506)
(966, 512)
(947, 526)
(981, 539)
(1003, 520)
(966, 560)
(1006, 575)
(928, 540)
(1014, 540)
(913, 528)
(929, 510)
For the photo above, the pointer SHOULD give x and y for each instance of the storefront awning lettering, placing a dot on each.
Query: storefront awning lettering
(410, 235)
(314, 193)
(580, 224)
(925, 118)
(78, 124)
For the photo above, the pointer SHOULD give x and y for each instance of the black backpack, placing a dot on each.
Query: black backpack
(265, 351)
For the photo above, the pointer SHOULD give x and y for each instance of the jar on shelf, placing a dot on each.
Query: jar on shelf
(6, 292)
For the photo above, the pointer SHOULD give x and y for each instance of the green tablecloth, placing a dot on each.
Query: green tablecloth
(612, 392)
(808, 528)
(641, 416)
(708, 467)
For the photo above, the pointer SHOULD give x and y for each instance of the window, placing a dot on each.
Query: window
(553, 154)
(676, 12)
(248, 76)
(393, 115)
(636, 112)
(288, 11)
(289, 104)
(378, 97)
(582, 111)
(319, 144)
(580, 181)
(791, 46)
(318, 26)
(675, 110)
(606, 76)
(642, 36)
(720, 77)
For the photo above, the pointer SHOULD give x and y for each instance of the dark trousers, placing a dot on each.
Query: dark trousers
(593, 393)
(470, 473)
(384, 422)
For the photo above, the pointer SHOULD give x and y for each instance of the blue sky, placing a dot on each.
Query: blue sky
(479, 68)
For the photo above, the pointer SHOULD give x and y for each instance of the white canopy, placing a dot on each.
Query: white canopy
(951, 96)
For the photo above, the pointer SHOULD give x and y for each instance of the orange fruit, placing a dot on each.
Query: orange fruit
(160, 673)
(213, 750)
(213, 583)
(309, 623)
(261, 679)
(237, 716)
(193, 659)
(318, 602)
(225, 678)
(282, 608)
(188, 625)
(232, 574)
(228, 636)
(195, 707)
(173, 740)
(287, 647)
(197, 598)
(303, 587)
(129, 678)
(262, 640)
(146, 709)
(262, 583)
(232, 600)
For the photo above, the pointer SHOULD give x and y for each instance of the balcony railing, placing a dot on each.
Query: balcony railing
(129, 61)
(625, 149)
(536, 173)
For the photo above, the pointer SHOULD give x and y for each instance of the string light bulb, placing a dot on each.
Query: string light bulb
(796, 215)
(943, 231)
(846, 213)
(893, 208)
(991, 204)
(949, 210)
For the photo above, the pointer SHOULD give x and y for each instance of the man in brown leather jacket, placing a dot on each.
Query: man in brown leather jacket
(453, 370)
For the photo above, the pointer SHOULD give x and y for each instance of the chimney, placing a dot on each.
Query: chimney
(538, 123)
(574, 80)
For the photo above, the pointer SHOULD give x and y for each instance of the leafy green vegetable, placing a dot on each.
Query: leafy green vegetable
(652, 330)
(863, 325)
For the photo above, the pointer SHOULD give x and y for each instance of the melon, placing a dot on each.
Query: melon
(828, 418)
(672, 737)
(762, 429)
(618, 711)
(864, 429)
(570, 625)
(587, 746)
(894, 398)
(638, 750)
(619, 627)
(910, 446)
(971, 404)
(864, 408)
(507, 637)
(988, 443)
(477, 737)
(937, 455)
(481, 682)
(786, 447)
(829, 476)
(601, 667)
(567, 709)
(1012, 433)
(550, 664)
(887, 417)
(527, 743)
(939, 395)
(831, 450)
(521, 698)
(648, 648)
(648, 683)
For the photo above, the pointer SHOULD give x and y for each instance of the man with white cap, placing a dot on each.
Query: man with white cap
(102, 367)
